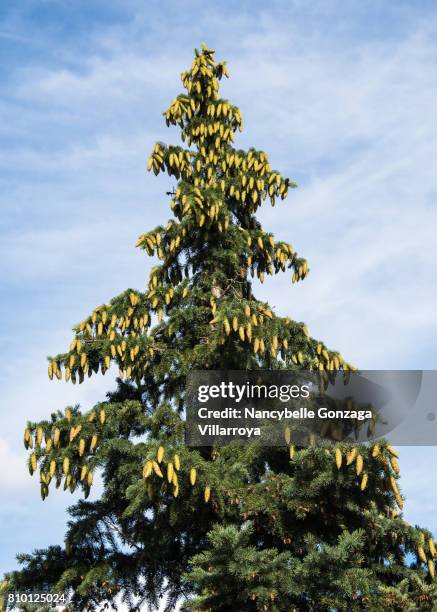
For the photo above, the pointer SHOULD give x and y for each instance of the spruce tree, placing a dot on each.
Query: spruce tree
(231, 528)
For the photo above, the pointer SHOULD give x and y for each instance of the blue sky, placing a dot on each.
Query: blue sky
(342, 97)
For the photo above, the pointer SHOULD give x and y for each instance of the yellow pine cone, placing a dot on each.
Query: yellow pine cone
(431, 546)
(68, 414)
(177, 462)
(364, 481)
(359, 465)
(102, 417)
(207, 494)
(375, 451)
(395, 465)
(421, 554)
(157, 469)
(56, 435)
(39, 434)
(350, 456)
(338, 458)
(392, 451)
(170, 472)
(52, 468)
(90, 478)
(93, 443)
(66, 465)
(83, 472)
(147, 469)
(81, 447)
(33, 461)
(394, 485)
(160, 454)
(431, 568)
(292, 452)
(193, 476)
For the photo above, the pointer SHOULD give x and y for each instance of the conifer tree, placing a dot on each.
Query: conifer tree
(232, 528)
